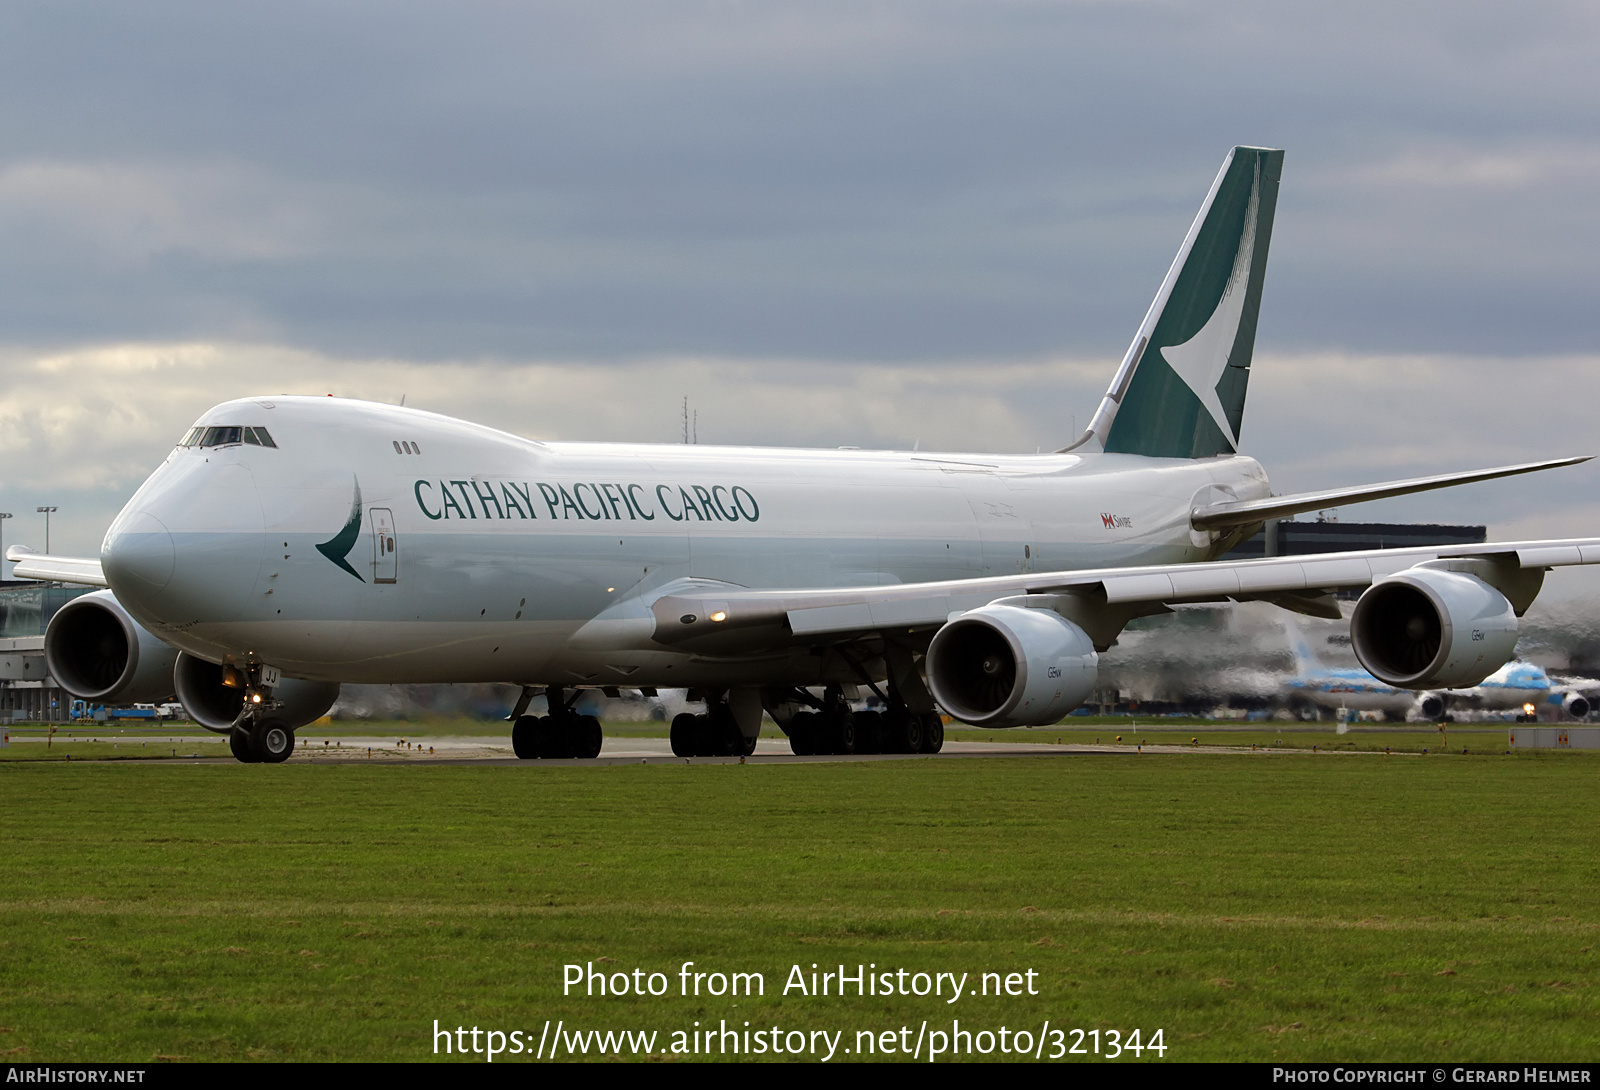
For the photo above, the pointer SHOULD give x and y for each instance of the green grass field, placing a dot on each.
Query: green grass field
(1250, 907)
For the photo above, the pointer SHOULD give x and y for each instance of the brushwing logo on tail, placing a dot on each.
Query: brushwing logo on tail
(1181, 394)
(1202, 360)
(337, 548)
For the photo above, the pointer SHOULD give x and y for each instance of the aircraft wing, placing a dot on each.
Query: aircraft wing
(28, 564)
(713, 613)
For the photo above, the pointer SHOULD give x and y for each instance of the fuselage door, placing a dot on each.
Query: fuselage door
(385, 560)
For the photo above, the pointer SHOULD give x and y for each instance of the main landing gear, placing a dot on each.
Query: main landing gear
(714, 734)
(560, 735)
(834, 729)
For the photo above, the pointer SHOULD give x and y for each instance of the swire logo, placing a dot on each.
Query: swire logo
(1116, 522)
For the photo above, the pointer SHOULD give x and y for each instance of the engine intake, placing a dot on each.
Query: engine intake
(96, 651)
(1011, 666)
(216, 706)
(1427, 627)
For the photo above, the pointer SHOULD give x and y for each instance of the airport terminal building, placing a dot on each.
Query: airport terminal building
(27, 692)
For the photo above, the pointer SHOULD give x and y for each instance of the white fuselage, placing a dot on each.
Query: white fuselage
(383, 544)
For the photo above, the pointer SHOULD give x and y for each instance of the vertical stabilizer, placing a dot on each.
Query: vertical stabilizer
(1180, 390)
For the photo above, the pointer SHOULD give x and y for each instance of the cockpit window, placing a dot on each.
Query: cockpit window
(220, 437)
(227, 435)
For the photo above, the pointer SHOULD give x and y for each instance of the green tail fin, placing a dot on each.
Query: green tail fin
(1180, 390)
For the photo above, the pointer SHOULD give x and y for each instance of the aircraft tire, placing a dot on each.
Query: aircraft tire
(587, 739)
(271, 741)
(932, 733)
(239, 743)
(523, 737)
(551, 738)
(707, 742)
(803, 734)
(902, 732)
(684, 734)
(840, 732)
(869, 732)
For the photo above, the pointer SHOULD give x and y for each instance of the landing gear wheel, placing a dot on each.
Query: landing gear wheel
(706, 742)
(587, 737)
(239, 743)
(903, 732)
(869, 732)
(684, 734)
(723, 736)
(840, 728)
(523, 734)
(271, 741)
(932, 733)
(551, 738)
(803, 734)
(744, 747)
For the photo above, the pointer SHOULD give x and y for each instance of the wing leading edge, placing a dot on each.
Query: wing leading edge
(726, 616)
(27, 564)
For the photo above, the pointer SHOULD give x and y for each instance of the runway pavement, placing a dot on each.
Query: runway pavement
(497, 750)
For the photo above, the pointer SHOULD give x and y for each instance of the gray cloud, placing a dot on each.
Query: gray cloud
(904, 181)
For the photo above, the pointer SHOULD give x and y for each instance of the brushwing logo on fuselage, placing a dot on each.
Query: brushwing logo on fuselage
(337, 548)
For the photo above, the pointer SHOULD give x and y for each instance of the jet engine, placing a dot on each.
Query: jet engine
(1427, 627)
(1575, 706)
(95, 651)
(1011, 666)
(216, 706)
(1431, 706)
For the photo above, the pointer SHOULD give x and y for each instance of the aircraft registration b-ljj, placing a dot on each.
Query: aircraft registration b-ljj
(288, 544)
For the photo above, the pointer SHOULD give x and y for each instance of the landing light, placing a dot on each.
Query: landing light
(1527, 709)
(719, 616)
(255, 698)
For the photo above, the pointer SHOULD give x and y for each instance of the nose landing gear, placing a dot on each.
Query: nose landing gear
(258, 736)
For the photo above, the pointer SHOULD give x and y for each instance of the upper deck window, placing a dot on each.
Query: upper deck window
(227, 435)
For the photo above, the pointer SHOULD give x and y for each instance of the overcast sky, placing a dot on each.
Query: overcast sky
(825, 223)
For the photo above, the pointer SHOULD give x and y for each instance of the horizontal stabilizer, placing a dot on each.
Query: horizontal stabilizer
(28, 564)
(1244, 512)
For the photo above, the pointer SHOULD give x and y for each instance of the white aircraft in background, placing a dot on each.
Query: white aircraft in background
(288, 544)
(1517, 686)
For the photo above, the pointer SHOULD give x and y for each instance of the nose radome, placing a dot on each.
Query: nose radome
(137, 555)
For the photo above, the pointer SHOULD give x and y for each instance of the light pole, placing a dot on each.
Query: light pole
(45, 511)
(3, 516)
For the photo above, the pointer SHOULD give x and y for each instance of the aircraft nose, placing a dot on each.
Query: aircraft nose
(138, 554)
(187, 548)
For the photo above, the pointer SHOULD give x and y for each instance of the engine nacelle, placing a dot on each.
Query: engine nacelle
(1426, 627)
(1575, 706)
(1431, 706)
(216, 706)
(1011, 666)
(95, 651)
